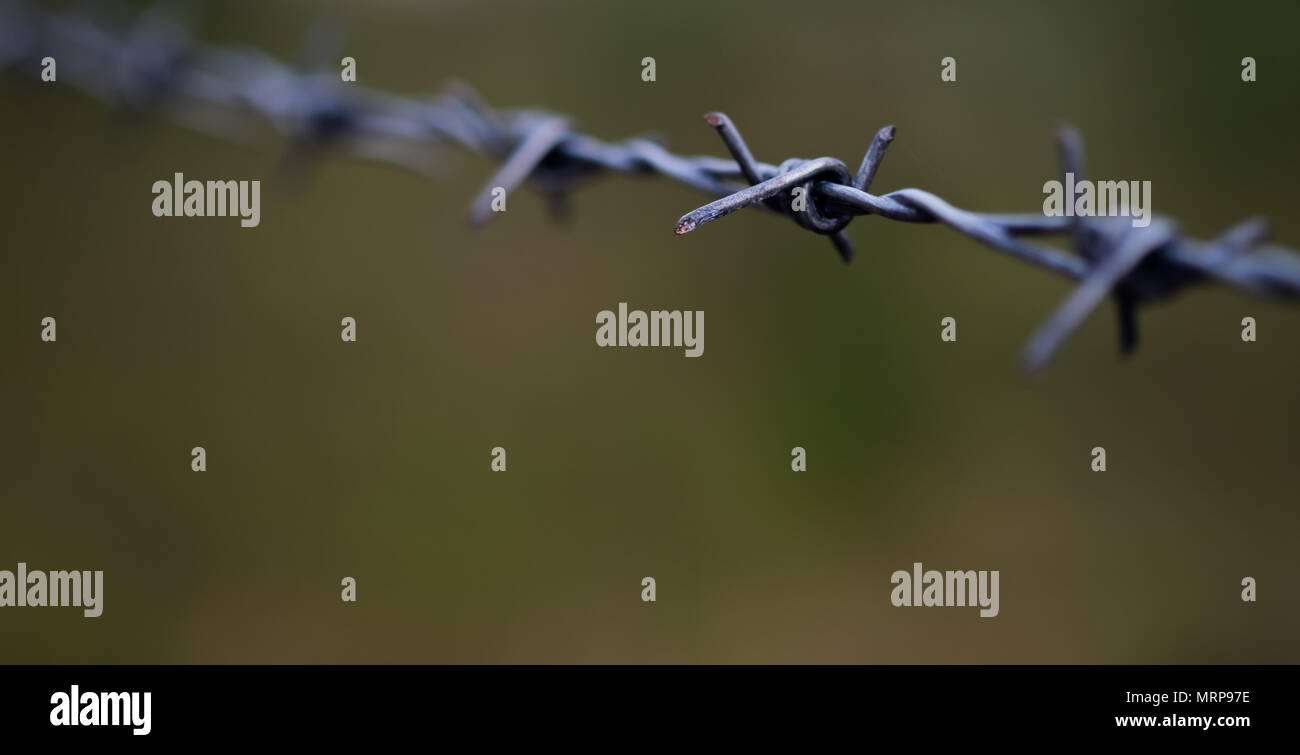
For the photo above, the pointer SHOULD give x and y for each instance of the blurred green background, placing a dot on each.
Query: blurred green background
(371, 459)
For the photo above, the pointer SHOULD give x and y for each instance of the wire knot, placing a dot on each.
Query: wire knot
(808, 213)
(774, 188)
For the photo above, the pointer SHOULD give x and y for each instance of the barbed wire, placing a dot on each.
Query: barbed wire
(152, 63)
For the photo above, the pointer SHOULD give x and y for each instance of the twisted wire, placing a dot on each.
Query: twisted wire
(152, 63)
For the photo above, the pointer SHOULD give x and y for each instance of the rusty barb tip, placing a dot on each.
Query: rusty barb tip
(685, 225)
(714, 119)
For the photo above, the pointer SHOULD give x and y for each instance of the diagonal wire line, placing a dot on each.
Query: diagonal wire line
(150, 63)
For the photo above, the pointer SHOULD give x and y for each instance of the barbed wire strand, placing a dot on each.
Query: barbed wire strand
(152, 63)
